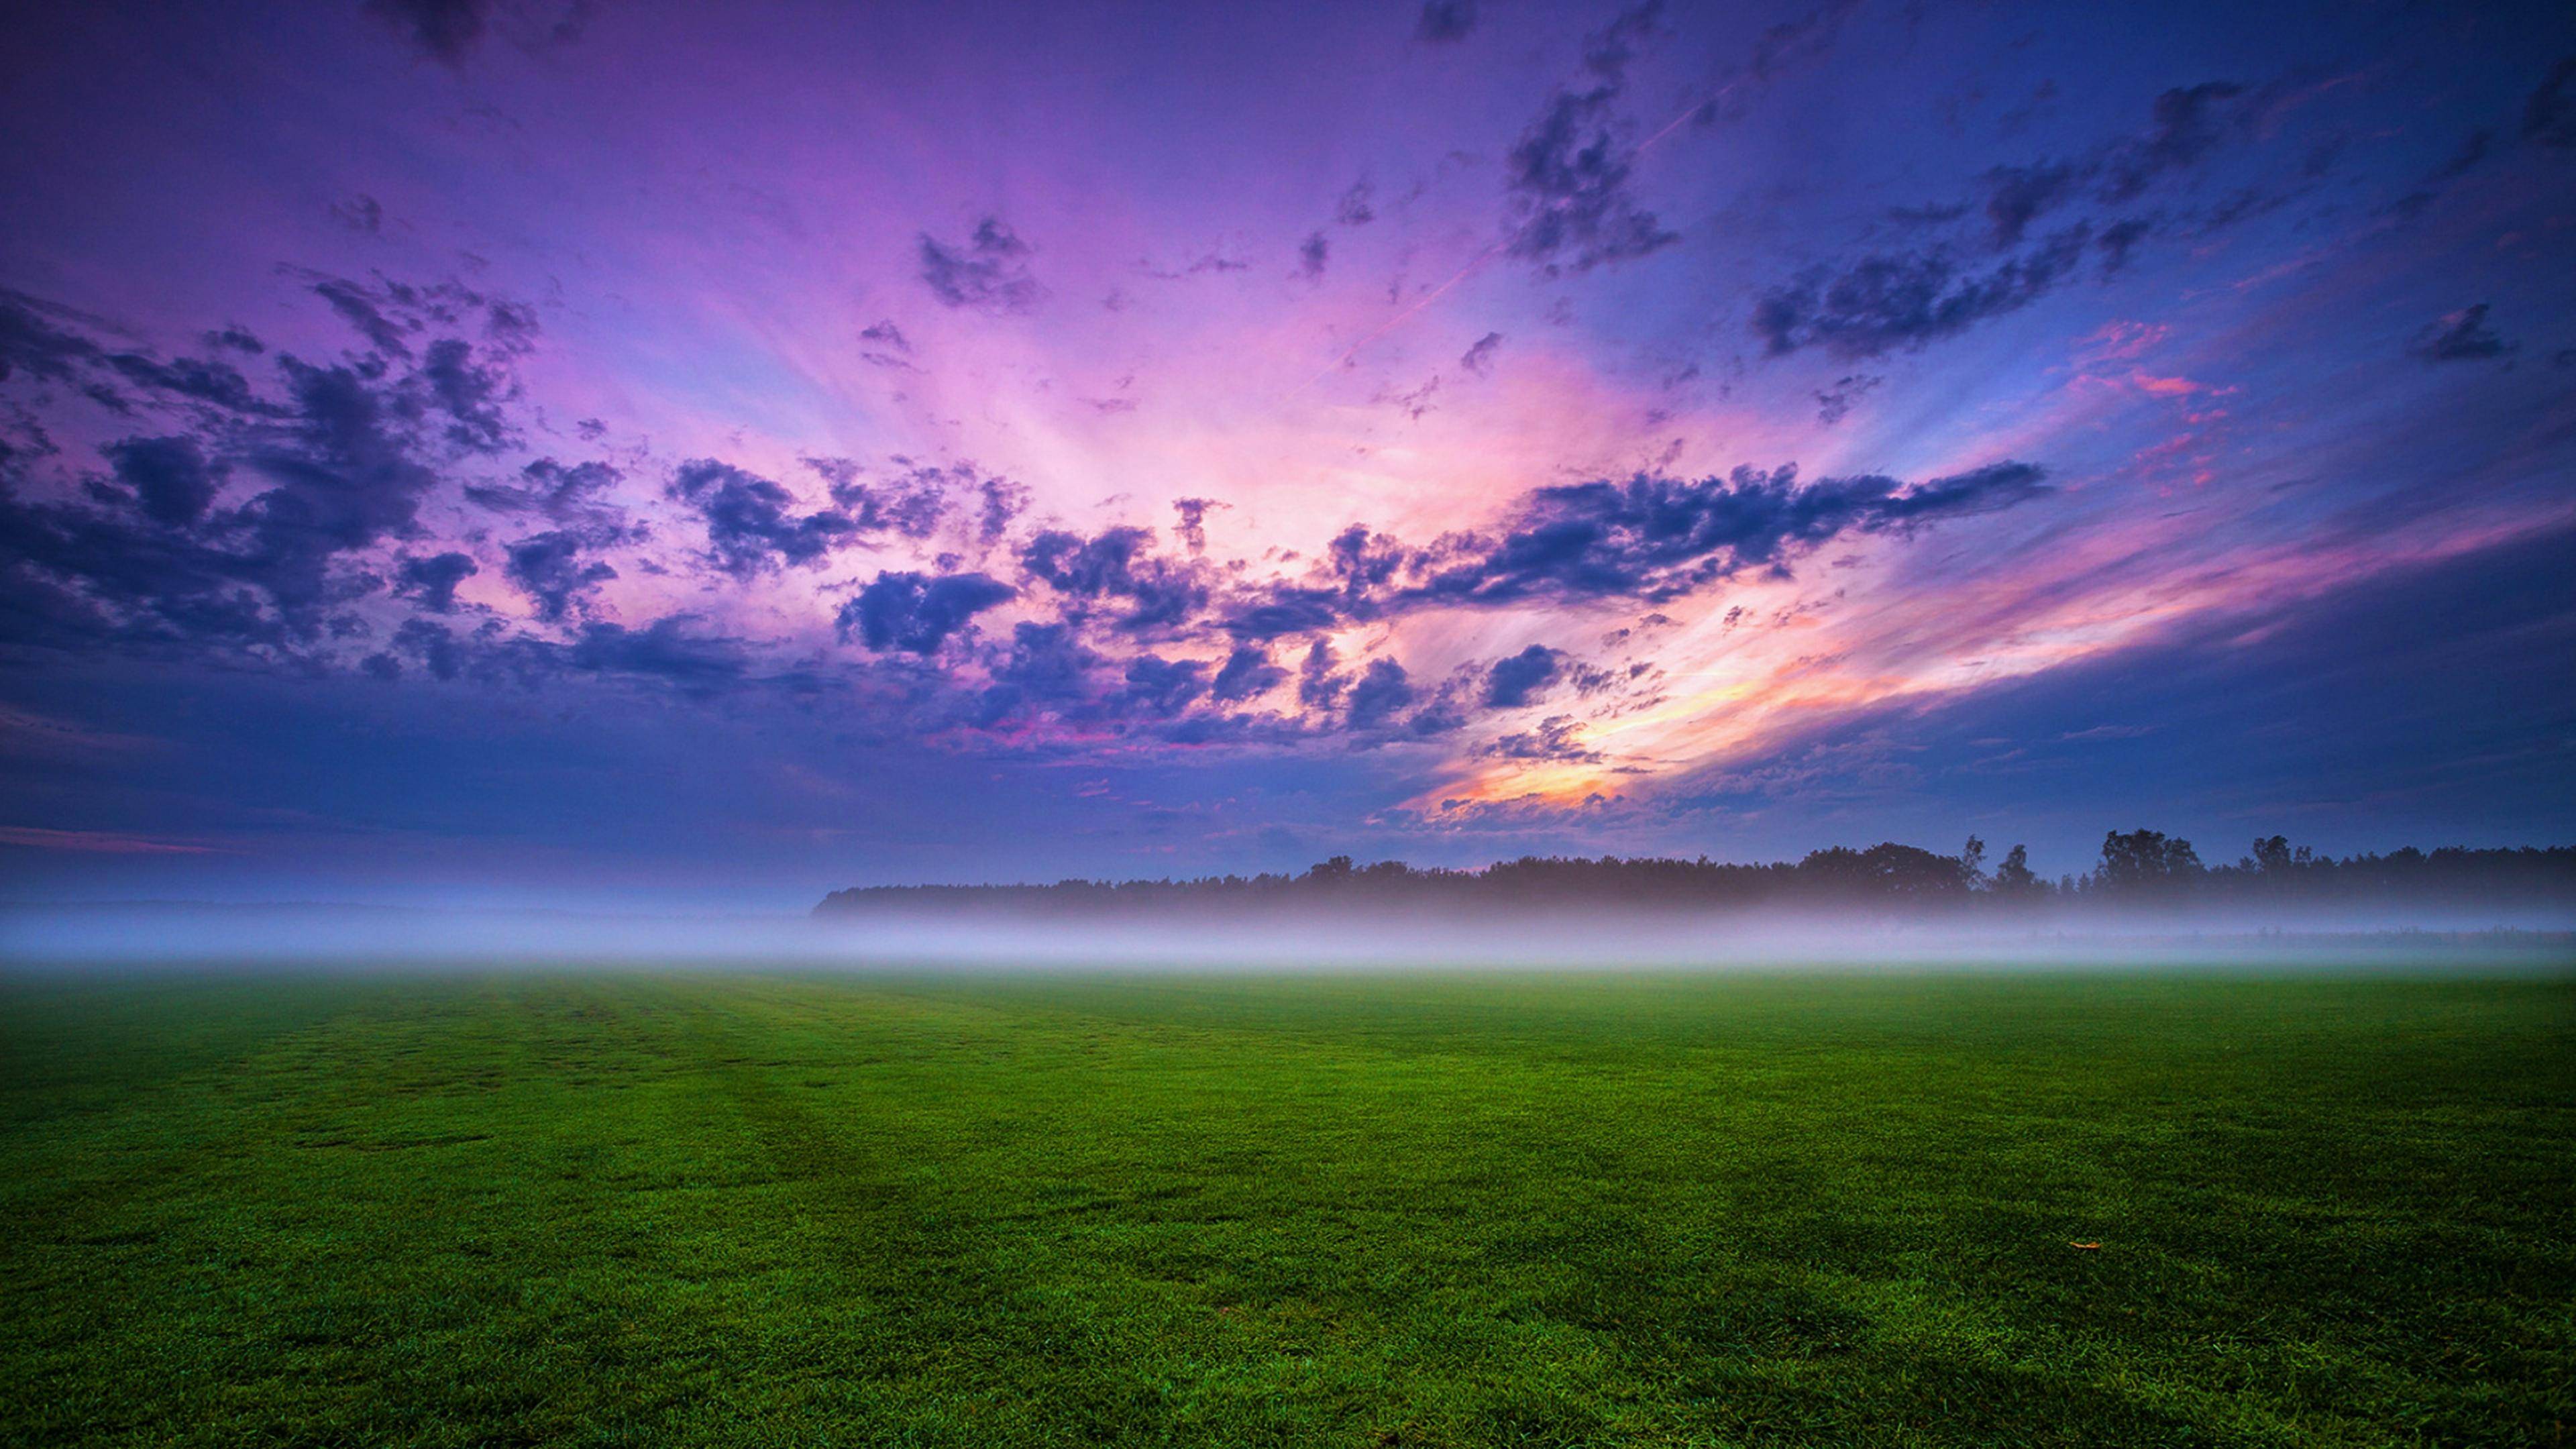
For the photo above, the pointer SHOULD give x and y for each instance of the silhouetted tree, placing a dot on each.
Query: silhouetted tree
(2273, 858)
(1886, 869)
(2135, 864)
(2013, 878)
(2146, 860)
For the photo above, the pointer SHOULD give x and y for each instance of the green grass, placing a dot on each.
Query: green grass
(708, 1209)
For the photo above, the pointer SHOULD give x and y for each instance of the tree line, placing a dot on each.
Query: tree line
(2136, 868)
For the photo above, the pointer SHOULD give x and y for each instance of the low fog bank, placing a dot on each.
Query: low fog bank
(127, 936)
(2150, 903)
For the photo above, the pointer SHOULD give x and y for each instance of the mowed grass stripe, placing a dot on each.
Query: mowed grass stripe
(693, 1209)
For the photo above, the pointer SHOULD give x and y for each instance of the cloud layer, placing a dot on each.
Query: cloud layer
(1470, 425)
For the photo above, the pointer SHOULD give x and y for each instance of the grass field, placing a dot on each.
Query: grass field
(714, 1209)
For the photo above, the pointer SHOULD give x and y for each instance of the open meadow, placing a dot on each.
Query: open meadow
(588, 1207)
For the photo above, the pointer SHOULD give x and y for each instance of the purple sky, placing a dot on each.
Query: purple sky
(614, 451)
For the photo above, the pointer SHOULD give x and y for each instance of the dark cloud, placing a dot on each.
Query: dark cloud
(2018, 195)
(1048, 658)
(1163, 687)
(471, 395)
(509, 327)
(1412, 404)
(338, 460)
(1558, 737)
(1834, 403)
(1520, 678)
(1649, 537)
(360, 310)
(239, 339)
(432, 646)
(1246, 674)
(1087, 566)
(2118, 240)
(1479, 357)
(2186, 124)
(1117, 563)
(1357, 205)
(568, 493)
(1286, 610)
(1445, 22)
(1311, 255)
(1319, 684)
(918, 498)
(1881, 304)
(1363, 559)
(207, 385)
(988, 271)
(2549, 116)
(46, 343)
(665, 650)
(344, 480)
(433, 580)
(173, 482)
(1656, 538)
(450, 31)
(217, 386)
(1193, 521)
(36, 343)
(72, 576)
(915, 612)
(1198, 266)
(749, 526)
(1566, 179)
(1440, 716)
(2461, 336)
(1382, 691)
(1899, 300)
(445, 31)
(910, 498)
(1989, 489)
(887, 346)
(360, 213)
(1048, 667)
(549, 568)
(999, 500)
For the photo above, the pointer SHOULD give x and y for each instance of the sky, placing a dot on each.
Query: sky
(614, 452)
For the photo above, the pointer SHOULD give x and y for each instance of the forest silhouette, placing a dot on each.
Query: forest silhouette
(2137, 870)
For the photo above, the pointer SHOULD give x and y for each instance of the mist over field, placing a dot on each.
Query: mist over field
(2150, 901)
(356, 937)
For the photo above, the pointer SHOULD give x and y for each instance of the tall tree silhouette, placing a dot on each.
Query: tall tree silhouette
(2146, 860)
